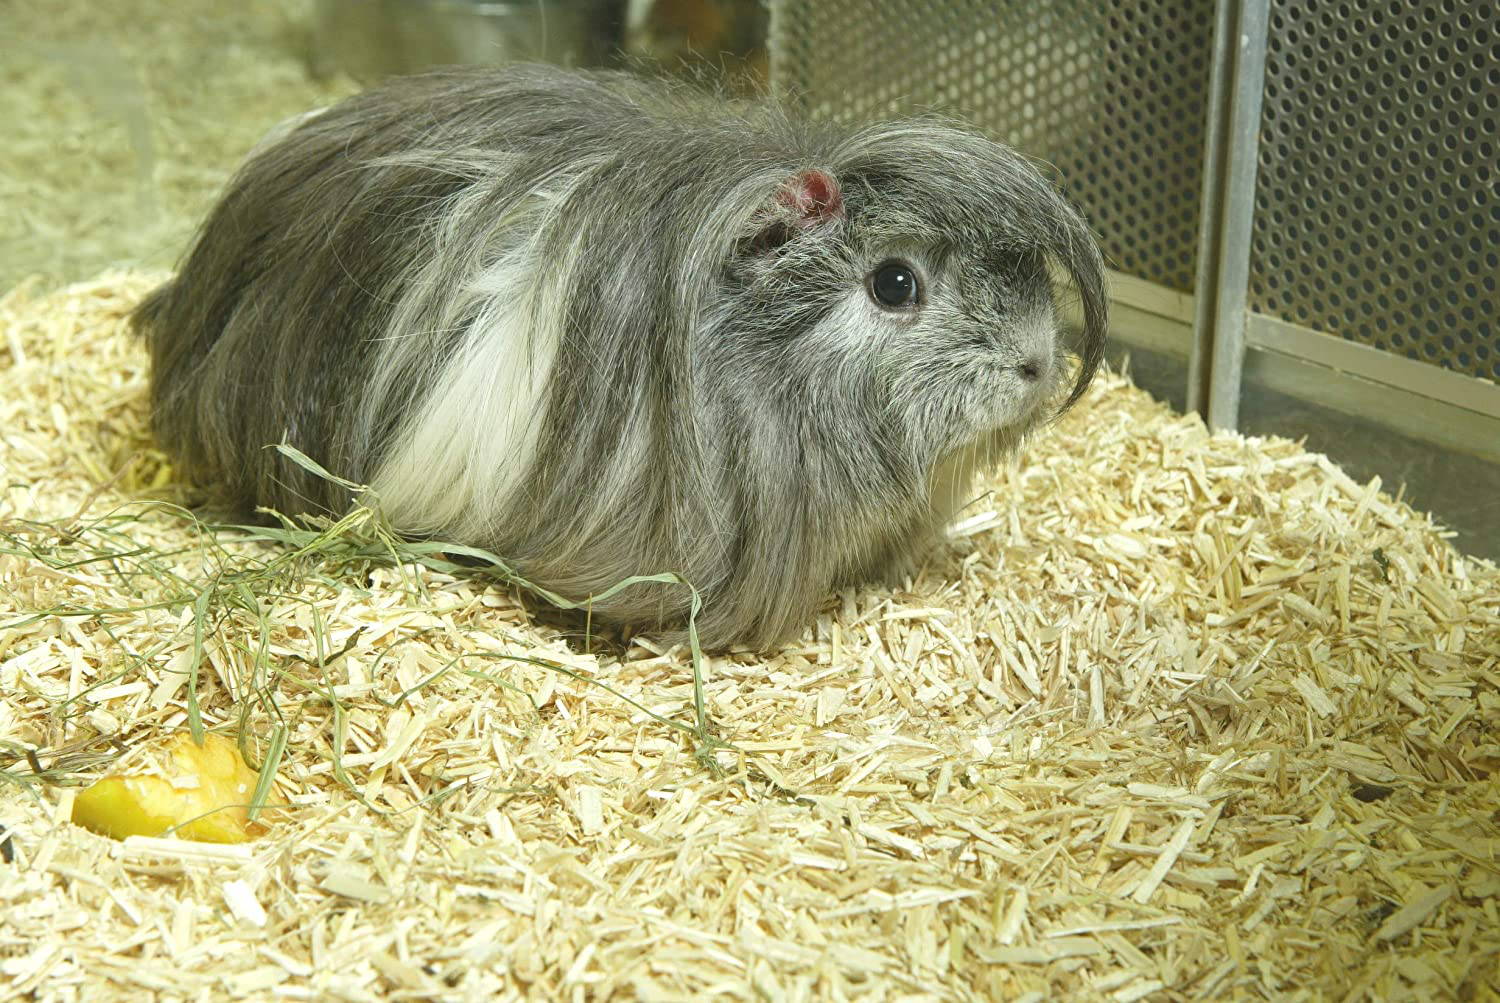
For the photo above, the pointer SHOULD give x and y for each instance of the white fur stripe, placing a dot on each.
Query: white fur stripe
(454, 465)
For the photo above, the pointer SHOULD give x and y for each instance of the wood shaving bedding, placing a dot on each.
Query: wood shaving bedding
(1176, 716)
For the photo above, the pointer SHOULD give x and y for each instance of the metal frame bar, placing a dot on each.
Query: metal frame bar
(1236, 85)
(1451, 429)
(1423, 379)
(1415, 399)
(1128, 290)
(1158, 318)
(1200, 361)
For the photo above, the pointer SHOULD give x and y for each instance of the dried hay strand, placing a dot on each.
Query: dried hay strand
(1178, 716)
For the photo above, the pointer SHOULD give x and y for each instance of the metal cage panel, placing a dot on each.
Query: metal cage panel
(1299, 199)
(1111, 94)
(1377, 210)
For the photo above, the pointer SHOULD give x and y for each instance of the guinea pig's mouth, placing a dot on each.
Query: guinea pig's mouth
(1029, 395)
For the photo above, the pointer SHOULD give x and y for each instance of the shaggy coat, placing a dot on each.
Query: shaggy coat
(606, 327)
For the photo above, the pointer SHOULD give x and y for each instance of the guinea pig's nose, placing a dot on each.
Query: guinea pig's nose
(1031, 369)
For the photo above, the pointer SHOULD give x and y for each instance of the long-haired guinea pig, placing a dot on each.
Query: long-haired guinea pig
(605, 327)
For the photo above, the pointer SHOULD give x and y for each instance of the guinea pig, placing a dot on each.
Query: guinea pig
(603, 326)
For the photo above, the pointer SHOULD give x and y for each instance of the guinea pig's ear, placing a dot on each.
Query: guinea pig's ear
(808, 200)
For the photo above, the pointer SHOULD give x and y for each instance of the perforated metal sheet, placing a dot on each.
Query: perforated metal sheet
(1377, 210)
(1111, 93)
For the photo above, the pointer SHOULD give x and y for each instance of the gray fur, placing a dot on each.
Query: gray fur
(708, 387)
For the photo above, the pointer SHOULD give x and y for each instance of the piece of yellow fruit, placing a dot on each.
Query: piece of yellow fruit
(204, 792)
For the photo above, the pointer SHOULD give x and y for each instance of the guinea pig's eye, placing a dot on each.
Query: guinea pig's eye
(894, 284)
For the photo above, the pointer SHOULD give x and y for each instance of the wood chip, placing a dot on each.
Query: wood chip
(1157, 723)
(1410, 915)
(242, 903)
(1164, 863)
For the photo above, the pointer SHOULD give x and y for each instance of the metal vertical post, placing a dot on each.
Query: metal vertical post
(1233, 133)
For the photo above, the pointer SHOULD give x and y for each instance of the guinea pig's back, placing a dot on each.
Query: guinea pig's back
(278, 324)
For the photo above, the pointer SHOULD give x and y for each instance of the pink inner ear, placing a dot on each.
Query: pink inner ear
(814, 196)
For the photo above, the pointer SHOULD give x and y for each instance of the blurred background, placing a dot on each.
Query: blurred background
(125, 117)
(1303, 227)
